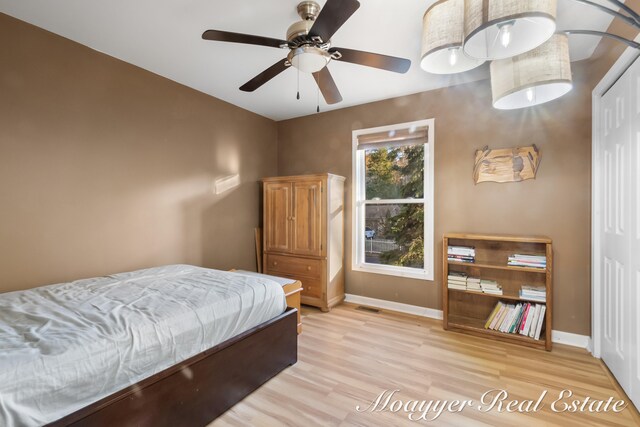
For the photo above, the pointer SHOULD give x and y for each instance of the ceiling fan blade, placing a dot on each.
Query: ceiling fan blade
(265, 76)
(375, 60)
(225, 36)
(327, 86)
(332, 16)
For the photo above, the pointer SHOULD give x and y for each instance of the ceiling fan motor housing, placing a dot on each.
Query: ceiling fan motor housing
(297, 33)
(308, 10)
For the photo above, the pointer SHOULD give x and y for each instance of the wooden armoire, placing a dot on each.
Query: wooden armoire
(303, 234)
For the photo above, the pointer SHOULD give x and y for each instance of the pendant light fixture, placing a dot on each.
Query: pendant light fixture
(538, 76)
(498, 29)
(442, 37)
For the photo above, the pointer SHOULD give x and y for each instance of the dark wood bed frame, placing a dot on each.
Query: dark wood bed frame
(198, 390)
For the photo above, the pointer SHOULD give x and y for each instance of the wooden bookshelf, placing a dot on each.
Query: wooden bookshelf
(467, 311)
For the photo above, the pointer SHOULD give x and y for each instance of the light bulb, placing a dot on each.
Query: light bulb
(453, 56)
(505, 34)
(530, 94)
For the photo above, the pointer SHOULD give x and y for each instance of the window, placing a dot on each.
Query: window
(393, 200)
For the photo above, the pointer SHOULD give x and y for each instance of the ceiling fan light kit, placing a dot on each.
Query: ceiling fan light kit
(532, 78)
(442, 38)
(309, 59)
(499, 29)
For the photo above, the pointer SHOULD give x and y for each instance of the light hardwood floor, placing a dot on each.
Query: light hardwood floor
(349, 356)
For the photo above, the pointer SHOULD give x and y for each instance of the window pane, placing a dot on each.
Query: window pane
(395, 172)
(394, 234)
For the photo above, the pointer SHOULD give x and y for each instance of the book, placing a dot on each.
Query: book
(473, 287)
(543, 309)
(467, 260)
(508, 319)
(533, 298)
(514, 316)
(505, 316)
(461, 250)
(490, 287)
(533, 261)
(489, 283)
(538, 258)
(529, 288)
(534, 293)
(500, 318)
(495, 311)
(524, 318)
(534, 322)
(515, 325)
(497, 317)
(527, 325)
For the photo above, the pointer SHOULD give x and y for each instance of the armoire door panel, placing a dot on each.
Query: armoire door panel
(277, 205)
(307, 211)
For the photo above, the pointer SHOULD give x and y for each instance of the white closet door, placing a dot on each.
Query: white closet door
(634, 250)
(620, 263)
(616, 230)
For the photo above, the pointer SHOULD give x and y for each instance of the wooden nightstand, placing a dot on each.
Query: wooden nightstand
(291, 287)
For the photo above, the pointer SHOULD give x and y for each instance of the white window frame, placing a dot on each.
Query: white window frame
(358, 204)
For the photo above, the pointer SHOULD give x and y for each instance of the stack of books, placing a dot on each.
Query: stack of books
(534, 293)
(473, 284)
(461, 253)
(490, 287)
(457, 280)
(524, 318)
(531, 261)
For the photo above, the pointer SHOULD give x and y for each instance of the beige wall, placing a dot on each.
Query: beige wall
(105, 167)
(556, 204)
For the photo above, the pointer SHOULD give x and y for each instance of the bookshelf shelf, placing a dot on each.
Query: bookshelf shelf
(467, 311)
(510, 297)
(476, 327)
(498, 266)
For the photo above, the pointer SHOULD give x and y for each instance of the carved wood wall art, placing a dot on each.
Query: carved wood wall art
(506, 165)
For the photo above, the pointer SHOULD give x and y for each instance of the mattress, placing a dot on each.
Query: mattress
(65, 346)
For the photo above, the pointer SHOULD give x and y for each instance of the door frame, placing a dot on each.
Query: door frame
(627, 58)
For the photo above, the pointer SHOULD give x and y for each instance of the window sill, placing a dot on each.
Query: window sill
(404, 272)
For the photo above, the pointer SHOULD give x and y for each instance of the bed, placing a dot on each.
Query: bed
(163, 346)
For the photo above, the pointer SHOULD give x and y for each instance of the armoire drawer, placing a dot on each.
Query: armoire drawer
(311, 287)
(295, 266)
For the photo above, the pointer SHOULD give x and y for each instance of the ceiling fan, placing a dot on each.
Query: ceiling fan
(310, 50)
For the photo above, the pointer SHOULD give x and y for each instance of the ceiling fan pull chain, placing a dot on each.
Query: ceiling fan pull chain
(298, 95)
(318, 95)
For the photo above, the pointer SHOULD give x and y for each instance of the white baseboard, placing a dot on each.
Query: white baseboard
(559, 337)
(394, 306)
(574, 340)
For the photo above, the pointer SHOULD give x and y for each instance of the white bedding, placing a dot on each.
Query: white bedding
(63, 347)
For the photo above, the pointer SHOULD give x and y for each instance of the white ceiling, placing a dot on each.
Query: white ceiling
(164, 36)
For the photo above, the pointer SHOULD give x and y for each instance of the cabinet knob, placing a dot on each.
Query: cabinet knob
(308, 268)
(275, 262)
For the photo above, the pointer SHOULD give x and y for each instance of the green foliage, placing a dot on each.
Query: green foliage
(382, 175)
(399, 174)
